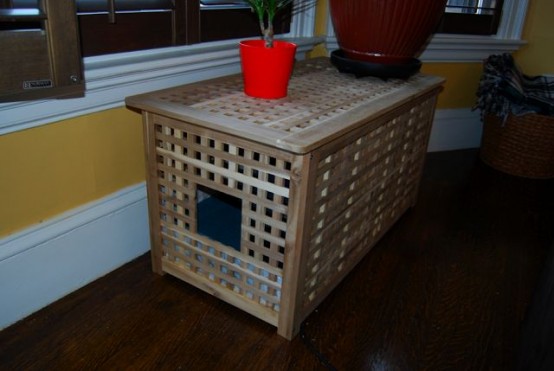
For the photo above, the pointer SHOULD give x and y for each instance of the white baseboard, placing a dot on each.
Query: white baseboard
(455, 129)
(50, 260)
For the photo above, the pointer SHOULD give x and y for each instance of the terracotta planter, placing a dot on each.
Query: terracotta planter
(266, 71)
(384, 31)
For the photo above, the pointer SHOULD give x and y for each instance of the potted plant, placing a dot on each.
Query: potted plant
(267, 63)
(383, 37)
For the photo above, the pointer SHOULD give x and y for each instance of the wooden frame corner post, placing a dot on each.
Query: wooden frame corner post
(152, 190)
(302, 179)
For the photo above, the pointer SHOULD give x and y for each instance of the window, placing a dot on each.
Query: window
(225, 19)
(476, 17)
(112, 26)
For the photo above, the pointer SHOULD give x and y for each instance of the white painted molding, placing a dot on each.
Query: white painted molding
(467, 48)
(455, 129)
(457, 48)
(303, 23)
(513, 19)
(33, 236)
(50, 260)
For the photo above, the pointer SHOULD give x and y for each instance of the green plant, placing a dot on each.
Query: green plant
(266, 11)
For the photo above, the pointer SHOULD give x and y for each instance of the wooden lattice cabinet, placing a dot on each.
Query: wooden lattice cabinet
(306, 185)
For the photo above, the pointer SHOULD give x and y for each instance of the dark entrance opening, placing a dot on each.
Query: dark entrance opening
(219, 216)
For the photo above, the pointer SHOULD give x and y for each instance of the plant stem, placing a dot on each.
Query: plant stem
(268, 36)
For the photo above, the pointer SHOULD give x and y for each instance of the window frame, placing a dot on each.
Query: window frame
(112, 77)
(469, 48)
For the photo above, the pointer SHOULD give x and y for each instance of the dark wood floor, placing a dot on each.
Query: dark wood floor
(446, 289)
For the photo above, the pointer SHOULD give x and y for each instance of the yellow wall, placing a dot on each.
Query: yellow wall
(461, 84)
(54, 168)
(537, 57)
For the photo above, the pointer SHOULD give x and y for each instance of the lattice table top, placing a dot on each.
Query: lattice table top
(321, 105)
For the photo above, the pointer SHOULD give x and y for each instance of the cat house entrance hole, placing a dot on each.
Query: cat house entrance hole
(219, 216)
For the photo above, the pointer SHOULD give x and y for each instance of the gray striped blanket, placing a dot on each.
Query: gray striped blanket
(504, 89)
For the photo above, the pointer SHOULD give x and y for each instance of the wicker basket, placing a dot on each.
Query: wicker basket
(522, 146)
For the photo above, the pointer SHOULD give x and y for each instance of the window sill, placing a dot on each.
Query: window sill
(111, 78)
(467, 48)
(458, 48)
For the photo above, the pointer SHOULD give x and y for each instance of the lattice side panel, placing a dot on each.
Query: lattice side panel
(260, 177)
(176, 195)
(227, 268)
(361, 189)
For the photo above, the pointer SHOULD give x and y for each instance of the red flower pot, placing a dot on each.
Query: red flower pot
(266, 71)
(384, 31)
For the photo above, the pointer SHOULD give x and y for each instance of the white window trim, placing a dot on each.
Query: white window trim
(469, 48)
(111, 78)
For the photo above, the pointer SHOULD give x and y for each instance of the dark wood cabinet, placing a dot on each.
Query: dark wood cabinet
(40, 49)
